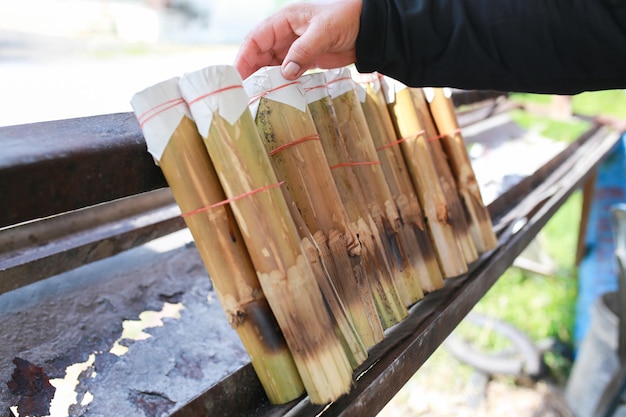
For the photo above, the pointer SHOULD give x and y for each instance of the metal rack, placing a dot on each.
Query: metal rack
(78, 194)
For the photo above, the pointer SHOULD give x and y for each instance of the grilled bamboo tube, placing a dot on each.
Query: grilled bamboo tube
(174, 142)
(369, 172)
(291, 140)
(218, 102)
(425, 180)
(442, 110)
(388, 148)
(346, 332)
(458, 215)
(388, 302)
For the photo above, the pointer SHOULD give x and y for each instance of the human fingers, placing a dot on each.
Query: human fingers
(301, 36)
(327, 37)
(268, 42)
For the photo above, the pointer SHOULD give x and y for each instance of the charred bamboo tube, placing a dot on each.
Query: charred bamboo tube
(346, 332)
(369, 172)
(458, 215)
(420, 249)
(442, 110)
(176, 146)
(291, 140)
(219, 104)
(425, 180)
(388, 301)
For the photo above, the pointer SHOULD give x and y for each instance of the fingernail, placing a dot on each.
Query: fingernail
(291, 70)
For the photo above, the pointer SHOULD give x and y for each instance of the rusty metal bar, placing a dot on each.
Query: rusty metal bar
(39, 249)
(467, 97)
(53, 167)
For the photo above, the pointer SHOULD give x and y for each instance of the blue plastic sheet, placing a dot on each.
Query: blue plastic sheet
(597, 273)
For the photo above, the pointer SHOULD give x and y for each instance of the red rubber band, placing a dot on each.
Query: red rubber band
(158, 109)
(399, 141)
(271, 90)
(307, 89)
(339, 79)
(295, 142)
(221, 90)
(444, 135)
(230, 200)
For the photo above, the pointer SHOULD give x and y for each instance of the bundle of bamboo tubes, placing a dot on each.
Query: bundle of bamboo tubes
(319, 207)
(442, 110)
(174, 142)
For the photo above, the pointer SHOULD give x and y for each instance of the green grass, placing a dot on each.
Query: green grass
(559, 130)
(609, 103)
(540, 306)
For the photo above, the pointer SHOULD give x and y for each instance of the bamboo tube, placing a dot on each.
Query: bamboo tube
(346, 332)
(174, 142)
(291, 140)
(442, 110)
(219, 105)
(425, 180)
(458, 214)
(379, 273)
(387, 146)
(368, 169)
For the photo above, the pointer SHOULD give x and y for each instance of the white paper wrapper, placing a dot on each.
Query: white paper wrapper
(429, 93)
(362, 80)
(214, 88)
(268, 82)
(159, 110)
(314, 86)
(339, 81)
(361, 91)
(390, 88)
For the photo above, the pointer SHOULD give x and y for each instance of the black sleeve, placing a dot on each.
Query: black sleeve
(543, 46)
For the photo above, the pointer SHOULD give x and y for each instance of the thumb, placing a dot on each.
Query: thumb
(304, 52)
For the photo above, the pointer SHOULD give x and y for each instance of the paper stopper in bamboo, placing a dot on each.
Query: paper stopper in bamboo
(387, 145)
(368, 169)
(174, 142)
(458, 215)
(425, 179)
(269, 232)
(442, 110)
(290, 138)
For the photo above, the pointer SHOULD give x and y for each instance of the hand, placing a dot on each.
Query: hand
(302, 36)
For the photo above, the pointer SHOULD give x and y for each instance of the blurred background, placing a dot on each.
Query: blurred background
(70, 58)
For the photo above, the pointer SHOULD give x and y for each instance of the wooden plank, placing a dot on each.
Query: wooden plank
(588, 191)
